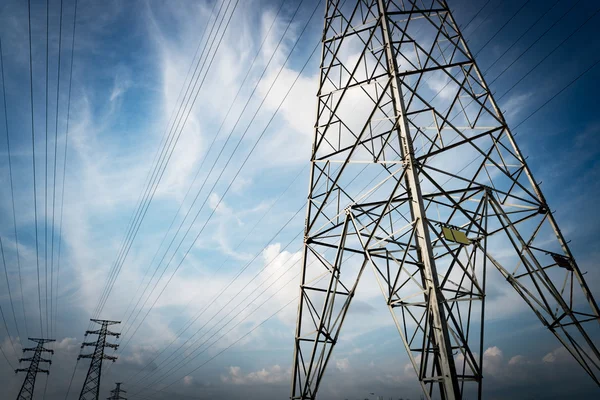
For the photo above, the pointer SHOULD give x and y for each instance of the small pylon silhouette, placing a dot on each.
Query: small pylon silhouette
(91, 386)
(116, 393)
(28, 386)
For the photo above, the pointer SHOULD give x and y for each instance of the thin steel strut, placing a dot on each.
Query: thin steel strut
(26, 392)
(116, 393)
(91, 386)
(400, 92)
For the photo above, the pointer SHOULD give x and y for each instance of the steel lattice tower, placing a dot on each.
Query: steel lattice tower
(116, 393)
(28, 386)
(403, 108)
(91, 386)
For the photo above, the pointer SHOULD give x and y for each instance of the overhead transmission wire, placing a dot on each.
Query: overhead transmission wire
(535, 41)
(317, 45)
(594, 65)
(62, 198)
(64, 179)
(239, 273)
(221, 173)
(161, 150)
(564, 88)
(551, 52)
(214, 54)
(211, 170)
(521, 36)
(46, 166)
(158, 178)
(37, 253)
(11, 342)
(503, 26)
(157, 162)
(200, 168)
(12, 193)
(486, 17)
(52, 321)
(11, 301)
(233, 10)
(513, 44)
(188, 191)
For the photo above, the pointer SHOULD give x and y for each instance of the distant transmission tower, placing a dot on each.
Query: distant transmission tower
(415, 173)
(28, 386)
(116, 393)
(91, 386)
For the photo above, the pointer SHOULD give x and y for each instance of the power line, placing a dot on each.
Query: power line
(54, 174)
(62, 199)
(12, 305)
(157, 162)
(9, 336)
(12, 193)
(46, 164)
(551, 52)
(156, 155)
(537, 40)
(595, 64)
(166, 158)
(37, 256)
(243, 163)
(520, 37)
(503, 26)
(182, 222)
(209, 174)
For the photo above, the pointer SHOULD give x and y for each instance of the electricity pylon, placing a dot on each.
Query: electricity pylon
(415, 173)
(28, 386)
(91, 386)
(116, 393)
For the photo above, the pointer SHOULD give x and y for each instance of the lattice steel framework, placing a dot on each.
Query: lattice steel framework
(403, 107)
(116, 393)
(26, 392)
(91, 386)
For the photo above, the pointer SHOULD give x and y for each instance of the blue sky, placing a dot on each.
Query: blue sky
(130, 62)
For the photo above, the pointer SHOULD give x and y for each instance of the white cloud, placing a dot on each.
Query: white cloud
(271, 375)
(342, 364)
(558, 355)
(67, 344)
